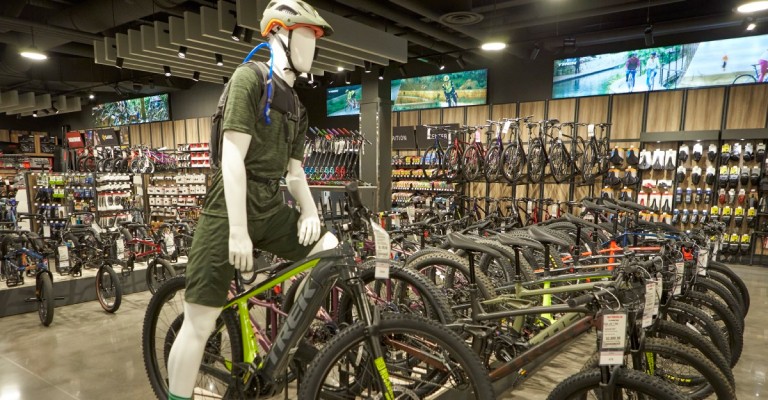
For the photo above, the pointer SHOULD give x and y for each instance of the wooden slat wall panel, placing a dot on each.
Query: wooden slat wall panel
(664, 111)
(564, 110)
(704, 109)
(454, 115)
(535, 108)
(409, 118)
(156, 130)
(134, 135)
(204, 129)
(192, 135)
(180, 132)
(627, 116)
(500, 111)
(593, 110)
(477, 115)
(746, 107)
(146, 134)
(557, 192)
(15, 135)
(430, 117)
(168, 136)
(5, 135)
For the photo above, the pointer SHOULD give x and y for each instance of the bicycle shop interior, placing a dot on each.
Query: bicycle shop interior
(572, 194)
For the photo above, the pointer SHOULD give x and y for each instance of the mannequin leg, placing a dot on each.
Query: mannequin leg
(187, 350)
(327, 242)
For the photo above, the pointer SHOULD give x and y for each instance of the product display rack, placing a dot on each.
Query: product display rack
(175, 195)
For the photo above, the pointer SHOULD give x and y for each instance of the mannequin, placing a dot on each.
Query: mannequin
(293, 53)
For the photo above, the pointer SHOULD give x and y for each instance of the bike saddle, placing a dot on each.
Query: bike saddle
(519, 242)
(632, 206)
(580, 221)
(588, 205)
(545, 237)
(552, 122)
(459, 241)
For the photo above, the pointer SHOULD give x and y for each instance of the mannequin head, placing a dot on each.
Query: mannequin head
(301, 44)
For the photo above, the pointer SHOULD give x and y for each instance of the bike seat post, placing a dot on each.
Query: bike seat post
(577, 251)
(473, 291)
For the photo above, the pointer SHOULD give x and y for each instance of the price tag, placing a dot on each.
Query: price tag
(680, 267)
(411, 211)
(505, 129)
(591, 130)
(614, 339)
(46, 231)
(702, 261)
(382, 243)
(63, 257)
(650, 295)
(170, 244)
(477, 136)
(120, 249)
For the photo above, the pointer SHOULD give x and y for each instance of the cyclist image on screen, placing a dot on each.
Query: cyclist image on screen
(351, 100)
(651, 70)
(450, 92)
(725, 61)
(763, 65)
(632, 64)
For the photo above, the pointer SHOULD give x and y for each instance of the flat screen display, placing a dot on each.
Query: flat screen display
(715, 63)
(465, 88)
(343, 100)
(133, 111)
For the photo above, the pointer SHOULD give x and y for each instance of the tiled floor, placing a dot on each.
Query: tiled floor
(88, 354)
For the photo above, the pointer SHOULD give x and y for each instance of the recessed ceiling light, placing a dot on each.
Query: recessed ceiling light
(219, 59)
(752, 6)
(493, 46)
(33, 54)
(167, 70)
(91, 96)
(182, 51)
(339, 69)
(751, 26)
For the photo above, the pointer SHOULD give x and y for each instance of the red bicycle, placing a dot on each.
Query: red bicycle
(139, 244)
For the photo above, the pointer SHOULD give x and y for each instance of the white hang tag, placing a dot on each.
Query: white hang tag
(411, 211)
(650, 294)
(120, 249)
(505, 129)
(63, 256)
(680, 267)
(591, 130)
(170, 244)
(702, 261)
(614, 339)
(382, 243)
(46, 231)
(429, 133)
(477, 136)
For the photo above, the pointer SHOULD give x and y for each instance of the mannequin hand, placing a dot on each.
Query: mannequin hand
(309, 229)
(240, 248)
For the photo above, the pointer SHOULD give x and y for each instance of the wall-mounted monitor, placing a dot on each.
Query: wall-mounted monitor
(454, 89)
(133, 111)
(343, 100)
(715, 63)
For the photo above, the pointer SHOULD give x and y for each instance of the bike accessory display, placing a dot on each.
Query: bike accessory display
(682, 154)
(760, 152)
(736, 151)
(725, 153)
(670, 160)
(707, 196)
(698, 150)
(744, 176)
(748, 152)
(680, 175)
(754, 177)
(738, 216)
(695, 217)
(733, 176)
(689, 195)
(696, 175)
(712, 152)
(632, 158)
(699, 193)
(710, 178)
(645, 160)
(684, 219)
(675, 216)
(658, 159)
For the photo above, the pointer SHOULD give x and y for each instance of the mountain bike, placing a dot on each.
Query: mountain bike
(513, 157)
(561, 164)
(493, 159)
(452, 160)
(537, 152)
(432, 159)
(473, 158)
(748, 78)
(594, 156)
(378, 356)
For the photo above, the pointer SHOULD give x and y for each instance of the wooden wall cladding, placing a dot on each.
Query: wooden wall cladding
(180, 132)
(704, 109)
(5, 135)
(500, 111)
(627, 116)
(477, 115)
(409, 118)
(145, 134)
(204, 129)
(535, 108)
(156, 130)
(191, 131)
(134, 135)
(593, 110)
(169, 139)
(747, 107)
(431, 117)
(664, 111)
(564, 110)
(454, 115)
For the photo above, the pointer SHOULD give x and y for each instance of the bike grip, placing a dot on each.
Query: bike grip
(354, 195)
(580, 300)
(649, 263)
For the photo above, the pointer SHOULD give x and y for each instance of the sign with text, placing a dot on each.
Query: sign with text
(404, 138)
(109, 137)
(426, 135)
(75, 140)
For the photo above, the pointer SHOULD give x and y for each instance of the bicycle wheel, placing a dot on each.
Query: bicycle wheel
(536, 161)
(162, 321)
(707, 285)
(88, 164)
(452, 162)
(512, 161)
(45, 298)
(701, 322)
(560, 162)
(589, 162)
(472, 163)
(630, 384)
(722, 316)
(109, 291)
(736, 279)
(604, 156)
(431, 162)
(732, 287)
(493, 163)
(743, 79)
(346, 367)
(158, 271)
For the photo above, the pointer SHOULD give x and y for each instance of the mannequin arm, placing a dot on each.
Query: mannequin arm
(233, 151)
(309, 223)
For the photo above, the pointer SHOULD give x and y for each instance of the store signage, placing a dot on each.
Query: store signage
(74, 140)
(426, 135)
(404, 138)
(109, 137)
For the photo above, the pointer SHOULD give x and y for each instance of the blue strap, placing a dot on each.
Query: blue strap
(269, 76)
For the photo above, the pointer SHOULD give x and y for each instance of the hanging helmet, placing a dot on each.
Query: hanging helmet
(292, 14)
(446, 78)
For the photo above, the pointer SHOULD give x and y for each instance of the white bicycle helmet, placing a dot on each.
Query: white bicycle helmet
(292, 14)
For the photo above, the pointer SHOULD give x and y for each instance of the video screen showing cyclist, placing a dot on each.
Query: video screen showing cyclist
(632, 64)
(763, 65)
(651, 70)
(450, 92)
(351, 99)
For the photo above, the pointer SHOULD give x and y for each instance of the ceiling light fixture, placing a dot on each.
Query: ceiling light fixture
(381, 73)
(219, 59)
(195, 76)
(368, 66)
(648, 32)
(119, 62)
(749, 24)
(311, 79)
(182, 51)
(34, 113)
(237, 32)
(167, 70)
(339, 69)
(461, 63)
(752, 6)
(440, 64)
(348, 78)
(91, 96)
(33, 53)
(54, 109)
(493, 46)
